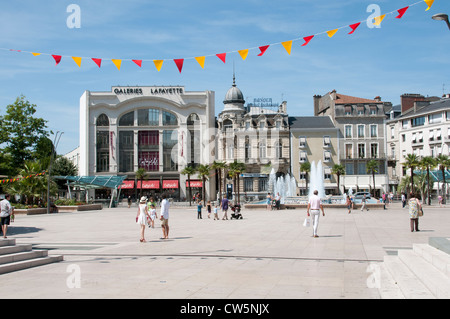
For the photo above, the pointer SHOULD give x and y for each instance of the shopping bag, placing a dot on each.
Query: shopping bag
(306, 222)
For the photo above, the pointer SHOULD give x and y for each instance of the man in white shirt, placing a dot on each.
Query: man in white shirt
(165, 217)
(6, 211)
(315, 206)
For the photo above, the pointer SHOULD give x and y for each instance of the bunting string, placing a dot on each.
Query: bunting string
(16, 179)
(158, 63)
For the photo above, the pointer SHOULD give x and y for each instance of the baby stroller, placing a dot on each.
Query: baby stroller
(236, 212)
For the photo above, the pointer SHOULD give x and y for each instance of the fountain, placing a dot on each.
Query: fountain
(285, 185)
(316, 180)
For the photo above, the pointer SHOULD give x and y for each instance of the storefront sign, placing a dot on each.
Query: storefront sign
(148, 184)
(197, 184)
(170, 184)
(137, 91)
(127, 185)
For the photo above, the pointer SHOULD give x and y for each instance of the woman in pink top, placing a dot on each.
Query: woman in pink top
(315, 206)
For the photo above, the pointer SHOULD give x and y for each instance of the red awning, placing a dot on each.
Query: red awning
(148, 184)
(127, 185)
(170, 184)
(197, 184)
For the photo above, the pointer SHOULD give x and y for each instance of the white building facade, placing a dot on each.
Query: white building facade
(160, 129)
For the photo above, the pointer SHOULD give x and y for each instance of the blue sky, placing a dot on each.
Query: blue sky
(408, 55)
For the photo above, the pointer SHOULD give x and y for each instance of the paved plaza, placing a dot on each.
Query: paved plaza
(266, 255)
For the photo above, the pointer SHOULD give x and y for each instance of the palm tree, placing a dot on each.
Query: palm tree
(372, 167)
(219, 166)
(428, 163)
(338, 170)
(411, 162)
(443, 162)
(306, 167)
(140, 174)
(189, 170)
(235, 169)
(203, 172)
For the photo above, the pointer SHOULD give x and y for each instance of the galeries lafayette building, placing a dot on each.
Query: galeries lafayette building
(160, 129)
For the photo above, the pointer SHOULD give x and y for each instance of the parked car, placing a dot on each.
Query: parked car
(360, 195)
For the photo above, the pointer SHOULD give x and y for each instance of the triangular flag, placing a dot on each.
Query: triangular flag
(307, 39)
(138, 62)
(77, 60)
(332, 32)
(57, 58)
(263, 49)
(354, 27)
(201, 61)
(35, 54)
(243, 54)
(97, 61)
(222, 56)
(429, 3)
(158, 64)
(379, 19)
(179, 63)
(117, 63)
(288, 46)
(401, 12)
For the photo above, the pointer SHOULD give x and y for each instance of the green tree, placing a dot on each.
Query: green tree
(443, 162)
(20, 131)
(140, 174)
(235, 170)
(411, 162)
(306, 167)
(189, 171)
(338, 170)
(372, 168)
(219, 166)
(203, 171)
(428, 163)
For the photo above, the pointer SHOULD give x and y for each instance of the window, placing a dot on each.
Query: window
(228, 126)
(148, 150)
(248, 184)
(278, 150)
(403, 138)
(102, 151)
(327, 156)
(169, 119)
(373, 130)
(418, 121)
(102, 120)
(360, 131)
(148, 117)
(126, 151)
(348, 110)
(170, 151)
(302, 141)
(349, 169)
(262, 150)
(302, 157)
(435, 118)
(348, 151)
(373, 110)
(438, 135)
(193, 119)
(392, 132)
(361, 150)
(348, 131)
(374, 150)
(302, 176)
(405, 124)
(262, 184)
(362, 169)
(248, 149)
(327, 173)
(360, 110)
(326, 141)
(127, 119)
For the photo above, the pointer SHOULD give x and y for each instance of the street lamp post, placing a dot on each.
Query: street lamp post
(441, 17)
(55, 145)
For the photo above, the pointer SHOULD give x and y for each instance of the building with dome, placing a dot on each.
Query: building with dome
(160, 129)
(257, 135)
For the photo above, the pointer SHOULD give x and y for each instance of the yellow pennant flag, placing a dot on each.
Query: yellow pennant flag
(243, 54)
(379, 19)
(332, 32)
(35, 54)
(77, 60)
(288, 46)
(158, 64)
(429, 4)
(117, 63)
(201, 61)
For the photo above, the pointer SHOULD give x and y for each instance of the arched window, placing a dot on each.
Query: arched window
(193, 119)
(169, 119)
(102, 120)
(127, 119)
(148, 117)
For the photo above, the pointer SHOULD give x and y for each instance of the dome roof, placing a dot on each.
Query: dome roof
(234, 95)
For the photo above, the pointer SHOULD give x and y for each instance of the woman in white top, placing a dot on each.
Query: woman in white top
(142, 216)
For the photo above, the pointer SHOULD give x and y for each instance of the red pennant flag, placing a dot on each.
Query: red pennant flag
(307, 39)
(354, 27)
(57, 58)
(401, 12)
(263, 49)
(97, 61)
(138, 62)
(222, 56)
(179, 63)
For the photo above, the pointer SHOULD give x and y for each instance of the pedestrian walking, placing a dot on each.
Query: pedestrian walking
(414, 209)
(142, 216)
(216, 212)
(349, 204)
(199, 209)
(129, 201)
(403, 200)
(165, 217)
(208, 208)
(269, 201)
(6, 212)
(313, 211)
(153, 216)
(363, 203)
(224, 206)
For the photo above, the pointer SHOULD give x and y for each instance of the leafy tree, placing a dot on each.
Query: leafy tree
(411, 162)
(306, 167)
(20, 131)
(443, 162)
(203, 172)
(140, 174)
(219, 166)
(189, 171)
(338, 170)
(235, 170)
(372, 168)
(428, 163)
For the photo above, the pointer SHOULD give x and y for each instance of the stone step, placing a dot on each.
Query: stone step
(434, 256)
(5, 250)
(435, 281)
(410, 286)
(389, 289)
(25, 264)
(14, 257)
(7, 242)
